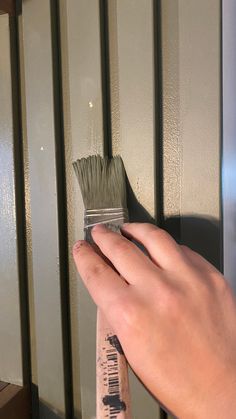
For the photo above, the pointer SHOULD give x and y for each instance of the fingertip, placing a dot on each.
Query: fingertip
(128, 227)
(77, 246)
(125, 227)
(99, 228)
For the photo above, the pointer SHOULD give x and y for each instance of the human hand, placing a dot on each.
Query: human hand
(174, 314)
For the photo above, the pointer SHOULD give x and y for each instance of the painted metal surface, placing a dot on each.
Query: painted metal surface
(44, 211)
(199, 115)
(229, 135)
(191, 162)
(10, 330)
(191, 109)
(171, 109)
(83, 136)
(191, 123)
(27, 202)
(132, 106)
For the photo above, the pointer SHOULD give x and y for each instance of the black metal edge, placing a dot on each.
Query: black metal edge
(158, 113)
(20, 201)
(62, 206)
(158, 123)
(221, 223)
(105, 77)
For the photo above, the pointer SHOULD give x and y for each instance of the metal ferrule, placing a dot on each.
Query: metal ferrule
(112, 217)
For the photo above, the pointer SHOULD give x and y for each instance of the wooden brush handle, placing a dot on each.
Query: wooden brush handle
(113, 400)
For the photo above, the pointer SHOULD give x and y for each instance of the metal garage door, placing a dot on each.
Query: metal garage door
(78, 77)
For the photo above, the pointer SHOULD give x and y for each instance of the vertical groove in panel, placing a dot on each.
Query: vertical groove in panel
(221, 222)
(70, 203)
(158, 122)
(20, 200)
(105, 72)
(158, 117)
(39, 94)
(62, 206)
(27, 202)
(83, 136)
(171, 145)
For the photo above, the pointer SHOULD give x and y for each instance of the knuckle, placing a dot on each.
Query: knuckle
(160, 234)
(121, 246)
(130, 315)
(170, 302)
(219, 282)
(95, 271)
(149, 226)
(127, 313)
(185, 248)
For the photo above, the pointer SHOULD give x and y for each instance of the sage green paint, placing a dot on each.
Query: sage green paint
(36, 32)
(132, 99)
(83, 137)
(10, 329)
(191, 57)
(191, 111)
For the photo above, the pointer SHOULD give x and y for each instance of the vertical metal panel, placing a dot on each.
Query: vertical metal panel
(44, 209)
(84, 136)
(132, 104)
(20, 200)
(199, 115)
(132, 96)
(10, 330)
(191, 123)
(229, 137)
(171, 122)
(27, 202)
(191, 99)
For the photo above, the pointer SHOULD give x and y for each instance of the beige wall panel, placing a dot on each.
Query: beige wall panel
(191, 115)
(36, 31)
(134, 91)
(10, 329)
(191, 112)
(28, 212)
(132, 95)
(84, 136)
(171, 117)
(199, 112)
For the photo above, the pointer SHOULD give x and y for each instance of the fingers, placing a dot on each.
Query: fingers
(102, 282)
(197, 260)
(126, 257)
(162, 248)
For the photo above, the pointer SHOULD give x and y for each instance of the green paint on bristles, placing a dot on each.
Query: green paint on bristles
(102, 182)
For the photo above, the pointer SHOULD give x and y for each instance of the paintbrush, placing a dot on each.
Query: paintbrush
(103, 187)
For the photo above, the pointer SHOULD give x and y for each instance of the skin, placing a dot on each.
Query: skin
(174, 313)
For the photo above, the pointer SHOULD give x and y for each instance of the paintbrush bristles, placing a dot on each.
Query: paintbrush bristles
(102, 182)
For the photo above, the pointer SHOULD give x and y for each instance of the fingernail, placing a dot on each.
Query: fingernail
(100, 228)
(78, 245)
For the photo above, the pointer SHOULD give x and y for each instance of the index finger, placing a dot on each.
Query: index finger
(105, 286)
(125, 256)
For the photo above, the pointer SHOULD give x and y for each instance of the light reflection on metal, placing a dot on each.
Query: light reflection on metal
(229, 136)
